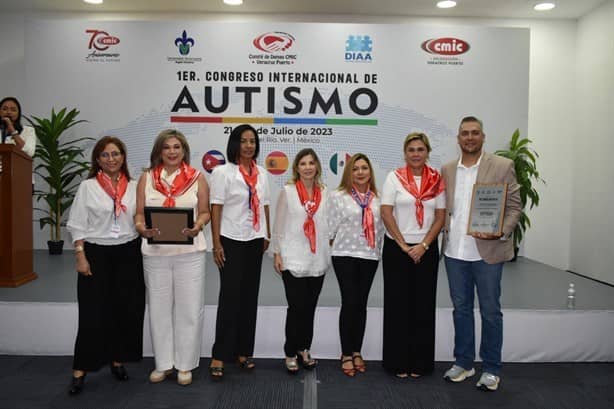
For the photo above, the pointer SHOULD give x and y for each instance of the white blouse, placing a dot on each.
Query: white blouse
(188, 199)
(345, 223)
(404, 208)
(29, 137)
(289, 239)
(92, 215)
(228, 188)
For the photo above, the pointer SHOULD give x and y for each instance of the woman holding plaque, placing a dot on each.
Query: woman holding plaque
(13, 132)
(413, 211)
(357, 231)
(302, 253)
(174, 273)
(240, 235)
(110, 288)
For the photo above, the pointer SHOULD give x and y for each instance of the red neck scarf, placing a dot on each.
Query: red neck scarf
(182, 182)
(311, 207)
(116, 193)
(368, 225)
(431, 185)
(254, 202)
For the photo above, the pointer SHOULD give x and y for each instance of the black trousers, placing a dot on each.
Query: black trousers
(237, 308)
(111, 306)
(302, 295)
(409, 310)
(355, 276)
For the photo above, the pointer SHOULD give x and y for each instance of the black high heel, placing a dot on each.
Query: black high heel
(76, 385)
(308, 363)
(119, 372)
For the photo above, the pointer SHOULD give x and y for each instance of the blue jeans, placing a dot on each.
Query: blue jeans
(462, 277)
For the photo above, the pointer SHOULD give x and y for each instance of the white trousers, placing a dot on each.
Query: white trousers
(176, 295)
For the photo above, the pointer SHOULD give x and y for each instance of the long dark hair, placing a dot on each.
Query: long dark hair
(99, 147)
(17, 123)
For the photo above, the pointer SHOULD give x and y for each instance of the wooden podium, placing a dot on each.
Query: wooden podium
(16, 266)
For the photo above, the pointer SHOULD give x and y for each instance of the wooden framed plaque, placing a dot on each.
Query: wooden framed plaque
(487, 208)
(170, 221)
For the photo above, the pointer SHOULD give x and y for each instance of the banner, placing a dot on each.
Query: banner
(338, 88)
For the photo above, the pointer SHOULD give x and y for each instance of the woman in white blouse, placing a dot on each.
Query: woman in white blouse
(413, 210)
(240, 235)
(357, 232)
(110, 288)
(174, 273)
(13, 132)
(302, 253)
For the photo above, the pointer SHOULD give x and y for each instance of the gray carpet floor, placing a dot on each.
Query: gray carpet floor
(30, 382)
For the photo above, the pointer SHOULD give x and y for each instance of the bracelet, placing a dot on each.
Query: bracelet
(139, 224)
(426, 246)
(217, 250)
(78, 249)
(15, 132)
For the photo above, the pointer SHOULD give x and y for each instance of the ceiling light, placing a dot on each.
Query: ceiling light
(544, 6)
(233, 2)
(446, 4)
(93, 1)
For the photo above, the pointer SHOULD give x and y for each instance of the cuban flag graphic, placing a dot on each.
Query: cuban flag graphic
(212, 159)
(338, 161)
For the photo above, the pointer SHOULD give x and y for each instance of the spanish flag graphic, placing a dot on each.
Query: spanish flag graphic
(276, 162)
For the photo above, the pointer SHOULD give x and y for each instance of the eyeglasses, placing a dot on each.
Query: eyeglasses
(107, 155)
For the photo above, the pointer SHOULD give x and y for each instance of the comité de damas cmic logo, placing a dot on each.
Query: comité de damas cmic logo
(274, 42)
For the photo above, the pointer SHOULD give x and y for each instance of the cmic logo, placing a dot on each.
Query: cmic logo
(358, 49)
(445, 46)
(273, 42)
(184, 43)
(101, 40)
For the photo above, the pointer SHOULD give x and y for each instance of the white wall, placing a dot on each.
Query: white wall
(551, 99)
(592, 223)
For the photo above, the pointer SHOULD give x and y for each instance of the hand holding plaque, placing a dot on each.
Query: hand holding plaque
(487, 209)
(171, 224)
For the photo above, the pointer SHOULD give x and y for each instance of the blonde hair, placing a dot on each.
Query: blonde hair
(155, 159)
(346, 179)
(300, 155)
(417, 136)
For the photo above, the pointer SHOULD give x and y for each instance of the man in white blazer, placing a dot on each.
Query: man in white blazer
(476, 260)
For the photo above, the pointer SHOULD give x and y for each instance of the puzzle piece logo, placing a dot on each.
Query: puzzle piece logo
(359, 48)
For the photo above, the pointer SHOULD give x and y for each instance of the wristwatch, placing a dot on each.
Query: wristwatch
(78, 249)
(426, 246)
(15, 132)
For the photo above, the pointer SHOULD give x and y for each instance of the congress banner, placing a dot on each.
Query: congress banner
(338, 88)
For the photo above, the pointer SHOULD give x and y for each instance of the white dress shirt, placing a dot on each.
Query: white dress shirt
(92, 215)
(228, 188)
(460, 245)
(345, 224)
(404, 208)
(29, 137)
(289, 239)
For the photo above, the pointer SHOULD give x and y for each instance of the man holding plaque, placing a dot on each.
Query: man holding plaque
(483, 208)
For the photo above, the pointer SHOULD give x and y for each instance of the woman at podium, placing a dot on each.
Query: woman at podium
(110, 287)
(13, 132)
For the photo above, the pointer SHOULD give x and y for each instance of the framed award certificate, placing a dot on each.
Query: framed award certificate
(487, 208)
(170, 221)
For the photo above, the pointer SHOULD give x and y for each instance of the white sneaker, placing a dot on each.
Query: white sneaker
(488, 382)
(184, 378)
(458, 374)
(158, 376)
